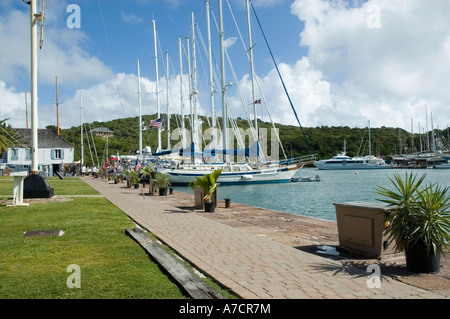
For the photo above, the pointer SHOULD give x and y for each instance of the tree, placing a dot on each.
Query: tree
(8, 137)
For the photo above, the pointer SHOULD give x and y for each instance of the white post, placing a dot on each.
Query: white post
(195, 88)
(211, 79)
(34, 95)
(157, 84)
(224, 89)
(168, 111)
(81, 120)
(140, 108)
(252, 71)
(181, 95)
(190, 98)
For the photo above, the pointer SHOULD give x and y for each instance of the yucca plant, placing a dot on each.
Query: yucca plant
(418, 219)
(208, 183)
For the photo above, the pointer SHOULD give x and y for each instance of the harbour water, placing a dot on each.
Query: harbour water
(316, 199)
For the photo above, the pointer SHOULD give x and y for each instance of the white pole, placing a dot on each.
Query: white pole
(252, 71)
(370, 142)
(34, 95)
(211, 79)
(432, 134)
(181, 95)
(140, 108)
(190, 97)
(81, 120)
(195, 88)
(222, 67)
(168, 111)
(157, 84)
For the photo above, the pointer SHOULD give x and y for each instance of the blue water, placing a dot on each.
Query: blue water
(316, 199)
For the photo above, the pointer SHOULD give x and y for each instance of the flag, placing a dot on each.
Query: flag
(156, 123)
(138, 165)
(257, 101)
(105, 166)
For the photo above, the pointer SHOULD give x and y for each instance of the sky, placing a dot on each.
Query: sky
(343, 62)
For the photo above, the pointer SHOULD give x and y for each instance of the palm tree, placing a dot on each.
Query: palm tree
(8, 137)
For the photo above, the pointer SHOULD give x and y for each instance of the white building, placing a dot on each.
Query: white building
(53, 152)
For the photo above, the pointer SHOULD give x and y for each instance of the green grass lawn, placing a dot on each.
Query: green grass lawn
(112, 265)
(67, 186)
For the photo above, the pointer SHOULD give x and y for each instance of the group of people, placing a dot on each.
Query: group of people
(85, 170)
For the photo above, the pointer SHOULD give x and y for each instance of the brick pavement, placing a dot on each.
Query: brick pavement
(252, 266)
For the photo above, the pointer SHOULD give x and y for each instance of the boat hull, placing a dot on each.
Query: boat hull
(182, 177)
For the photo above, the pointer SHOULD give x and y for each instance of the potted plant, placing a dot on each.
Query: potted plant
(208, 183)
(419, 220)
(147, 173)
(133, 178)
(162, 183)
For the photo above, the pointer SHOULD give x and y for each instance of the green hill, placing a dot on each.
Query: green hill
(324, 141)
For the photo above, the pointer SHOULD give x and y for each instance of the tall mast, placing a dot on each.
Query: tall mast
(252, 72)
(428, 133)
(420, 140)
(168, 111)
(157, 83)
(34, 95)
(194, 82)
(370, 143)
(223, 86)
(190, 98)
(81, 120)
(211, 79)
(140, 108)
(181, 94)
(432, 135)
(57, 106)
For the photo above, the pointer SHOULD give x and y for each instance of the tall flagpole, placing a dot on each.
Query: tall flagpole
(34, 96)
(140, 109)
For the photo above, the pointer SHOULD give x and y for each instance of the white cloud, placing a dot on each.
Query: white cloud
(386, 75)
(130, 18)
(62, 54)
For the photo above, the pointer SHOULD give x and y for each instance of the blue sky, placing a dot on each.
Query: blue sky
(344, 62)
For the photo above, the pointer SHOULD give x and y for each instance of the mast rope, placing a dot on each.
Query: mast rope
(282, 81)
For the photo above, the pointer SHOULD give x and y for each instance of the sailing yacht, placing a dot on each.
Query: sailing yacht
(182, 173)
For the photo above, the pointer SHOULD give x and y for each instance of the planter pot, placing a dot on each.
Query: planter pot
(419, 260)
(136, 186)
(209, 207)
(163, 192)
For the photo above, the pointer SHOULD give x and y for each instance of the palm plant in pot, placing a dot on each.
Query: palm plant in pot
(133, 178)
(419, 221)
(147, 172)
(162, 183)
(208, 183)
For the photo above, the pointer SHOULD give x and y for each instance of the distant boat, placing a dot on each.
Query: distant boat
(442, 166)
(342, 162)
(306, 179)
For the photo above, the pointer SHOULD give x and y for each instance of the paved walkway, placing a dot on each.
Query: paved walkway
(252, 266)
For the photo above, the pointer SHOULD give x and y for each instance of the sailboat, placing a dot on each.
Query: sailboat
(182, 173)
(343, 162)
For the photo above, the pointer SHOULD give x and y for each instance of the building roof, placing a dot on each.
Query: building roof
(46, 138)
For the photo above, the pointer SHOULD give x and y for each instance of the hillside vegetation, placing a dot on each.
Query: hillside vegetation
(323, 141)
